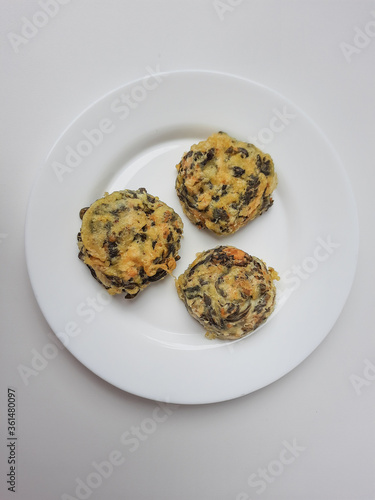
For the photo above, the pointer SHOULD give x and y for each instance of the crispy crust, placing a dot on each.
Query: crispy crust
(228, 291)
(129, 239)
(223, 183)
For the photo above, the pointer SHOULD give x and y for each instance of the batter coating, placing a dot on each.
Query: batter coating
(223, 183)
(129, 239)
(228, 291)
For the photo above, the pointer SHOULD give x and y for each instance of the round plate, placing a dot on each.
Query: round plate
(134, 137)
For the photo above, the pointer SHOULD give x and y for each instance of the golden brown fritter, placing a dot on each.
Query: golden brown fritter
(129, 239)
(223, 183)
(228, 291)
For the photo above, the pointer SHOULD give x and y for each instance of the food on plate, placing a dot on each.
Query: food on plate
(129, 239)
(223, 183)
(228, 291)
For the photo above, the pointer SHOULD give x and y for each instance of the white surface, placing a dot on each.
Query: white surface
(136, 345)
(68, 419)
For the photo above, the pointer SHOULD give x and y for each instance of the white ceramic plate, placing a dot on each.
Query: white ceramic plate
(134, 137)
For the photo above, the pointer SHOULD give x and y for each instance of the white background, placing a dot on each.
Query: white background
(67, 418)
